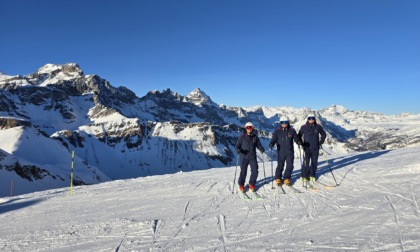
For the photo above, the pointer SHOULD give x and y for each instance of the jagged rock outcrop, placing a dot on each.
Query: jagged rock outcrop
(7, 123)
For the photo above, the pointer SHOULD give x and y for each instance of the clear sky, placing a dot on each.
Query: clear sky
(362, 54)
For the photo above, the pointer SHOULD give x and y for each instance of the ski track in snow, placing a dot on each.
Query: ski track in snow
(397, 221)
(415, 204)
(222, 227)
(370, 210)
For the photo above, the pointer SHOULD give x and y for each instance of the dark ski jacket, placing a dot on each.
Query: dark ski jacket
(247, 145)
(310, 133)
(283, 138)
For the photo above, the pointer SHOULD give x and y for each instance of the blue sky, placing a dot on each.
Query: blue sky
(364, 55)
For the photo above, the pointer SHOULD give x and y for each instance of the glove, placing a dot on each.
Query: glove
(271, 145)
(239, 151)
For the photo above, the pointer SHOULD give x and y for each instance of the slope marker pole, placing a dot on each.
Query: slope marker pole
(71, 174)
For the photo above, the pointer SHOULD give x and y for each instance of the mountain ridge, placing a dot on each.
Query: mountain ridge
(117, 135)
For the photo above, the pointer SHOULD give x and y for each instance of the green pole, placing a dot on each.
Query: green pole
(71, 174)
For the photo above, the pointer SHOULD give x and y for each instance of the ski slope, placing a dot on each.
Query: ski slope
(375, 207)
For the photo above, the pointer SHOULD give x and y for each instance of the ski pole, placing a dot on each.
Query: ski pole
(233, 185)
(272, 175)
(329, 167)
(265, 176)
(300, 157)
(301, 165)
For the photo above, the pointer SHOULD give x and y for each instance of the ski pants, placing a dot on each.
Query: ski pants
(283, 157)
(244, 167)
(310, 163)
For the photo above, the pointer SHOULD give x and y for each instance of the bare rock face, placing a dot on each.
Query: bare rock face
(7, 123)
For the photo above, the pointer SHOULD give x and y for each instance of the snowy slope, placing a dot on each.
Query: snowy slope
(374, 208)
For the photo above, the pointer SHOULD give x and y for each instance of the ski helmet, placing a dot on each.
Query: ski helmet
(284, 119)
(311, 116)
(249, 124)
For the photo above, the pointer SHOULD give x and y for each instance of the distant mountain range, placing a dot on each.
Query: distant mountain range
(46, 115)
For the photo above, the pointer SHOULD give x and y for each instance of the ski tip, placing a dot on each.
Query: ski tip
(243, 196)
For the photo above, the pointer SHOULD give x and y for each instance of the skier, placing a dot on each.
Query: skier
(311, 133)
(283, 138)
(246, 147)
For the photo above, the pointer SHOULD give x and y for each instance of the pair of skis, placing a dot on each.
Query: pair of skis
(309, 185)
(292, 188)
(315, 185)
(248, 196)
(252, 195)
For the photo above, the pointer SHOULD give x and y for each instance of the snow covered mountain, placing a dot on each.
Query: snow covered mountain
(46, 115)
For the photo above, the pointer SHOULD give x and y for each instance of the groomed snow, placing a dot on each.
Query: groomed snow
(374, 208)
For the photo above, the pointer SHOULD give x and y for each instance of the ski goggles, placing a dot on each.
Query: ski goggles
(248, 127)
(284, 122)
(311, 118)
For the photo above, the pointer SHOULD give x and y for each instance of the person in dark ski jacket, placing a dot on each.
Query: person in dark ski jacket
(246, 147)
(283, 138)
(313, 136)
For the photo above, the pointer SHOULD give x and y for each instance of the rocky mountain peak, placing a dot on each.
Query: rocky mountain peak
(67, 69)
(336, 109)
(198, 97)
(4, 77)
(166, 94)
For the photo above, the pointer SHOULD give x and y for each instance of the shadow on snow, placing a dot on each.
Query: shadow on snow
(325, 167)
(14, 204)
(328, 166)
